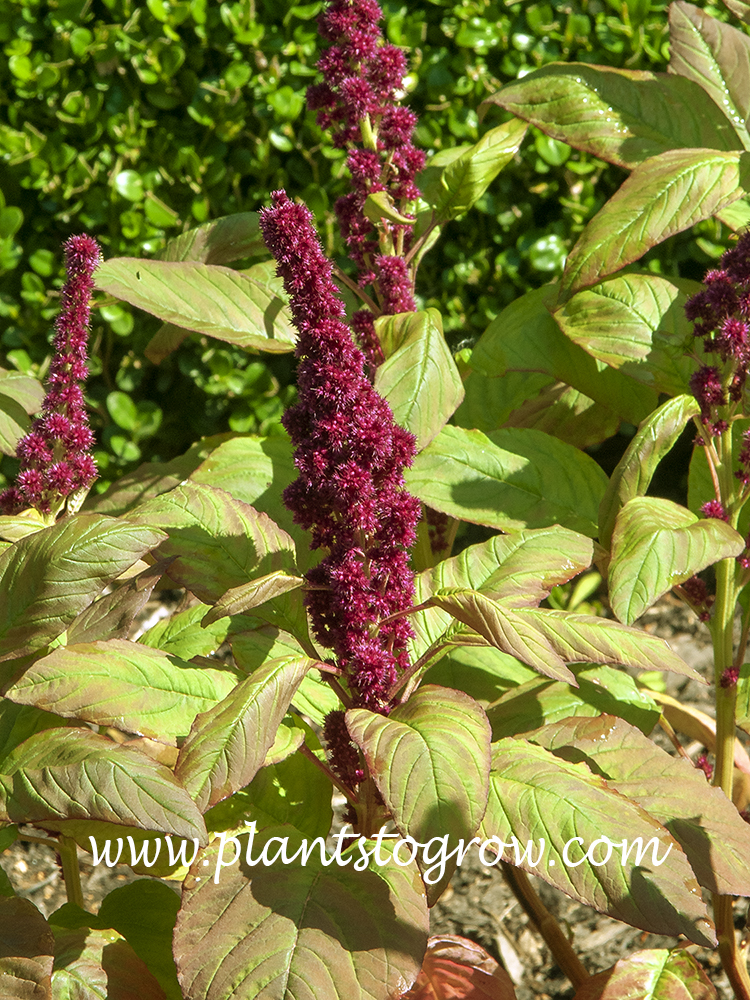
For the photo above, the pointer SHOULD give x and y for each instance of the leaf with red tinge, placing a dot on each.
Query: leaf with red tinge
(228, 744)
(455, 968)
(99, 965)
(663, 196)
(26, 951)
(220, 241)
(251, 595)
(294, 932)
(655, 975)
(50, 577)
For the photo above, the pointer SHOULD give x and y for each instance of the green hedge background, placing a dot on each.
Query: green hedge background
(136, 121)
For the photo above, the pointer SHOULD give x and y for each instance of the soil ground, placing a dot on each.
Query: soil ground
(478, 904)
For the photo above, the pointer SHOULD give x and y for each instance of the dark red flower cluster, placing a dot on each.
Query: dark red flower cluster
(357, 101)
(721, 315)
(55, 455)
(696, 592)
(350, 455)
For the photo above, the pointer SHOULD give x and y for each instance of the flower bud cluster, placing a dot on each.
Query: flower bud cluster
(350, 456)
(55, 455)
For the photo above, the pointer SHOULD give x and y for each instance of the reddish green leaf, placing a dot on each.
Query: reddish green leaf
(655, 438)
(228, 744)
(541, 702)
(420, 379)
(635, 322)
(111, 616)
(26, 951)
(125, 685)
(663, 196)
(535, 797)
(250, 595)
(164, 342)
(49, 577)
(525, 338)
(455, 968)
(510, 479)
(99, 965)
(430, 759)
(656, 974)
(567, 414)
(220, 241)
(19, 395)
(77, 774)
(245, 309)
(624, 116)
(657, 544)
(299, 933)
(218, 541)
(700, 817)
(717, 57)
(18, 722)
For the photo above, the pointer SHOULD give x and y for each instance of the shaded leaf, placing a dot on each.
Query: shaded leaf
(111, 616)
(420, 379)
(510, 479)
(700, 817)
(217, 540)
(50, 577)
(27, 391)
(635, 322)
(164, 342)
(632, 476)
(535, 797)
(13, 423)
(430, 759)
(657, 974)
(567, 414)
(482, 672)
(455, 968)
(18, 722)
(228, 744)
(125, 685)
(489, 401)
(220, 241)
(541, 702)
(663, 196)
(77, 774)
(623, 116)
(300, 933)
(525, 338)
(714, 55)
(245, 309)
(183, 634)
(99, 965)
(26, 951)
(657, 544)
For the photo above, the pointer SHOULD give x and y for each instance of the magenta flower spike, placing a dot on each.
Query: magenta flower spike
(57, 467)
(358, 102)
(350, 455)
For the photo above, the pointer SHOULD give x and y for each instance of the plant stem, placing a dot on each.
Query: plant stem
(344, 789)
(68, 852)
(545, 923)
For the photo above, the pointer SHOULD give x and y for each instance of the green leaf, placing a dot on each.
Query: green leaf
(51, 576)
(292, 793)
(228, 744)
(663, 196)
(466, 177)
(482, 672)
(525, 337)
(657, 974)
(430, 759)
(217, 540)
(535, 797)
(112, 616)
(743, 698)
(632, 476)
(28, 392)
(27, 949)
(184, 636)
(420, 380)
(218, 242)
(244, 308)
(509, 480)
(13, 423)
(77, 774)
(700, 817)
(657, 544)
(540, 702)
(251, 595)
(125, 685)
(567, 414)
(379, 205)
(717, 57)
(300, 933)
(489, 401)
(637, 323)
(503, 628)
(623, 116)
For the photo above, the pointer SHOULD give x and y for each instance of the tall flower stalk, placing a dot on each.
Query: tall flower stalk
(721, 316)
(57, 468)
